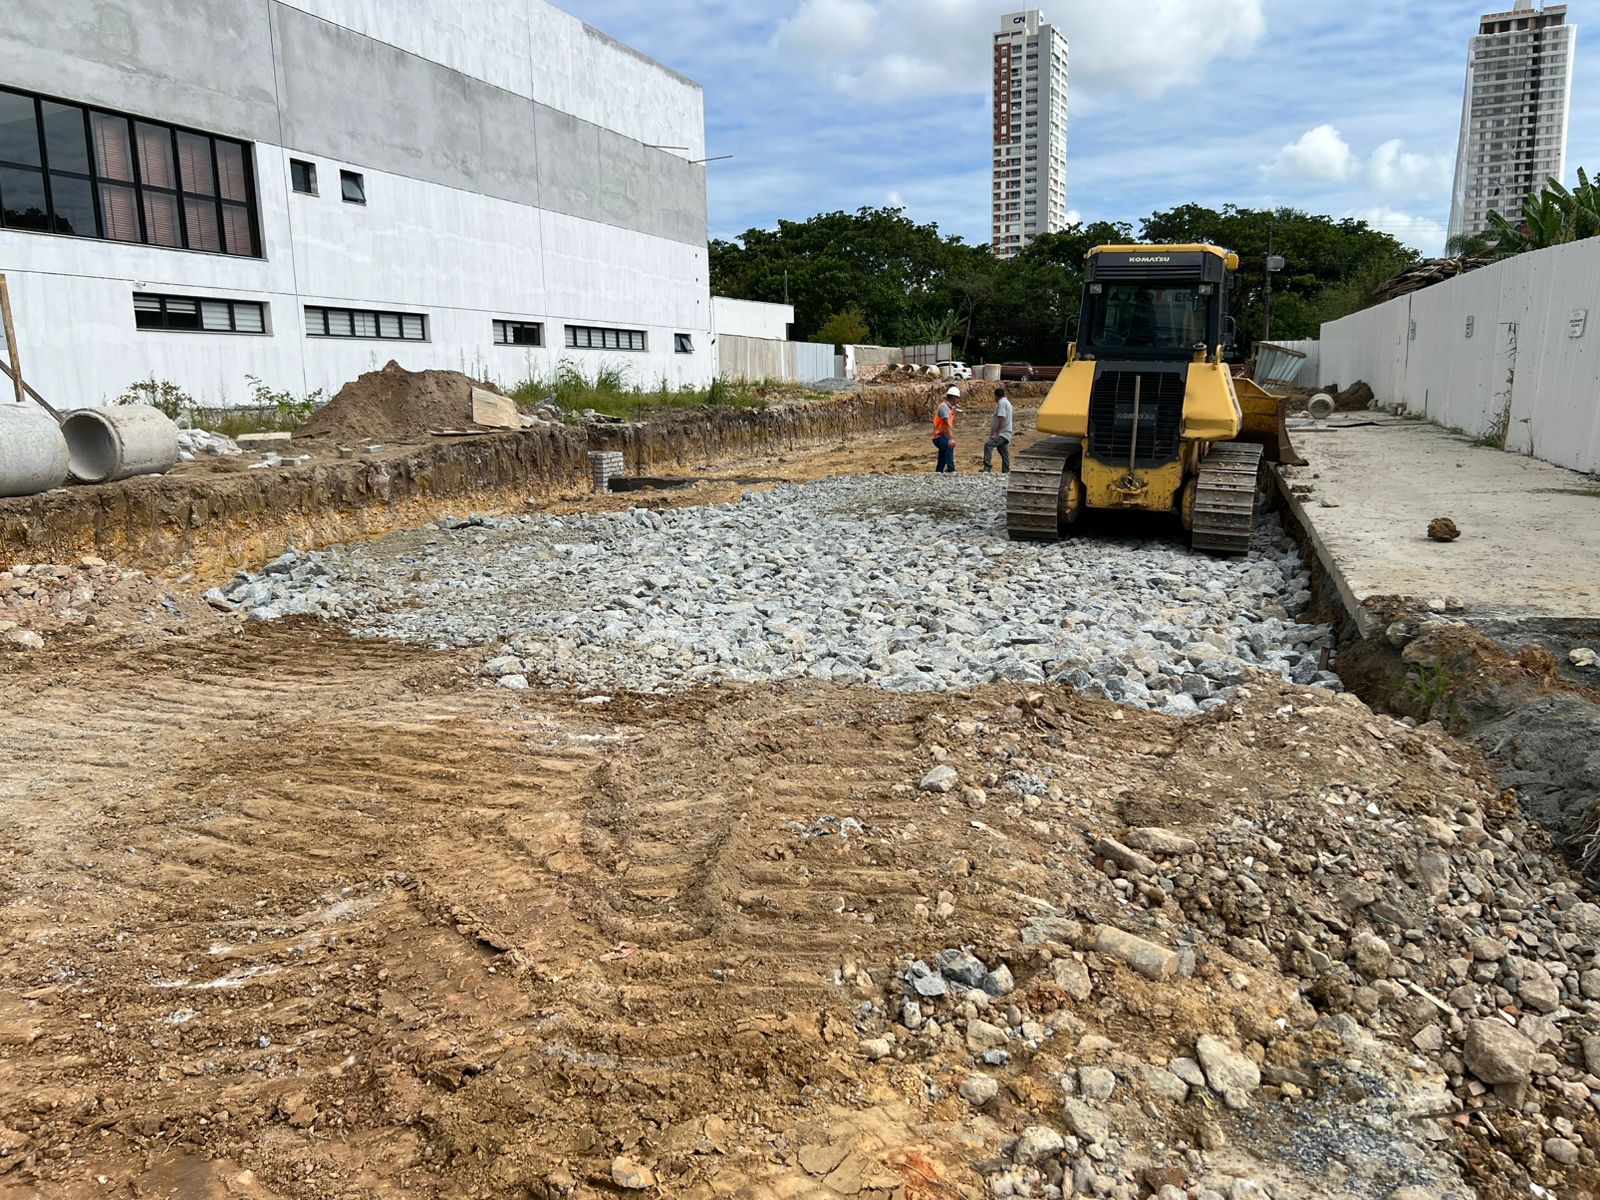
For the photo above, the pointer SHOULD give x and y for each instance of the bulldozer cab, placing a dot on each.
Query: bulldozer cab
(1160, 304)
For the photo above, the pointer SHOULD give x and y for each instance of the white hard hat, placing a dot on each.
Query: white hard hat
(953, 391)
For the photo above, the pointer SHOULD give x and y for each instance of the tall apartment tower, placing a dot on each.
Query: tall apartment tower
(1514, 114)
(1030, 131)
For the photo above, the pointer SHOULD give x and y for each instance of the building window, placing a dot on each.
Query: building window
(518, 333)
(85, 172)
(364, 323)
(353, 187)
(303, 176)
(589, 337)
(198, 314)
(683, 343)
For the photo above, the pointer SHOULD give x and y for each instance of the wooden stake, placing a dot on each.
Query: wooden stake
(11, 342)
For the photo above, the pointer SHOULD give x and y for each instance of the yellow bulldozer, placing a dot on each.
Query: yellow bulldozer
(1146, 416)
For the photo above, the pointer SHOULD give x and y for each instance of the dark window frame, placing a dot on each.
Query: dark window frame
(683, 343)
(164, 313)
(583, 337)
(378, 318)
(311, 175)
(180, 195)
(346, 178)
(506, 332)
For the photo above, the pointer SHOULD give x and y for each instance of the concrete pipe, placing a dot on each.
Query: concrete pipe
(33, 454)
(116, 443)
(991, 372)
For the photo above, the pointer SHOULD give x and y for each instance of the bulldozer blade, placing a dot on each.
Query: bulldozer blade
(1264, 422)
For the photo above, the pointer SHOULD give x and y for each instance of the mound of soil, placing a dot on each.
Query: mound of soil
(1357, 397)
(394, 404)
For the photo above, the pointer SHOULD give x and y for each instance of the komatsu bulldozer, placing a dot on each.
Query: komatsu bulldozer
(1146, 416)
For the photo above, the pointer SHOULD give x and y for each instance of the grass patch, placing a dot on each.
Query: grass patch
(612, 391)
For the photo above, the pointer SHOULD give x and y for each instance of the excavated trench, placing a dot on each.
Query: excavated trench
(1496, 685)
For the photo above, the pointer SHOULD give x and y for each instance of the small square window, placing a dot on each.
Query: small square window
(303, 176)
(683, 343)
(353, 187)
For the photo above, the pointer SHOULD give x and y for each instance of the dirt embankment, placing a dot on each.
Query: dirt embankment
(210, 517)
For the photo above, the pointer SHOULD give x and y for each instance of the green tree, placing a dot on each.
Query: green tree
(843, 329)
(1331, 267)
(1552, 216)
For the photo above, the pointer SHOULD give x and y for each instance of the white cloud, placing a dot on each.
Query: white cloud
(1423, 233)
(1074, 217)
(1322, 155)
(896, 49)
(1319, 154)
(1394, 171)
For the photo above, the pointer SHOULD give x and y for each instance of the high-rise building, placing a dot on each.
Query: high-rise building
(1514, 114)
(1030, 131)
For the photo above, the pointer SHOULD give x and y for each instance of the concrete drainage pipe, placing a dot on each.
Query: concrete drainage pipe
(33, 454)
(116, 443)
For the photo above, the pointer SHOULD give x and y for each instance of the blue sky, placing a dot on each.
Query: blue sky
(1344, 107)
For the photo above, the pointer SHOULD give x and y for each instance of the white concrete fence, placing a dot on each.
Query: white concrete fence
(757, 359)
(1509, 351)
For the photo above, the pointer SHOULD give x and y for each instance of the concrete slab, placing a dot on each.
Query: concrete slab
(1529, 551)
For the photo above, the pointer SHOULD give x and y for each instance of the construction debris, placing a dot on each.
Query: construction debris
(1443, 529)
(395, 405)
(1426, 274)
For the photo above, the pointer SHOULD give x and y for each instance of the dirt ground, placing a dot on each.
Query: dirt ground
(286, 914)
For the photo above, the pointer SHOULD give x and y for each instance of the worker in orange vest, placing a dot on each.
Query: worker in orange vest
(944, 431)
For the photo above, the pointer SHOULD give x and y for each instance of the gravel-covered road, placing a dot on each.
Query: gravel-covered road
(904, 581)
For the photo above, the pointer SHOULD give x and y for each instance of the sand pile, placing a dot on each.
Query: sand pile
(395, 404)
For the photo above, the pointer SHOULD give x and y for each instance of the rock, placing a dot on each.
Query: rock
(1443, 529)
(1072, 977)
(1429, 1039)
(1584, 657)
(631, 1176)
(1166, 1084)
(1559, 1149)
(963, 967)
(1154, 840)
(1126, 859)
(1227, 1070)
(505, 664)
(1188, 1070)
(1096, 1083)
(1149, 959)
(1591, 1054)
(999, 981)
(517, 683)
(1085, 1121)
(978, 1090)
(925, 981)
(1372, 955)
(1487, 949)
(1536, 987)
(23, 639)
(1036, 1143)
(982, 1035)
(941, 779)
(1497, 1053)
(876, 1048)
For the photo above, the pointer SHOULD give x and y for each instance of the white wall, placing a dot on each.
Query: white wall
(750, 318)
(1520, 369)
(461, 259)
(758, 359)
(469, 219)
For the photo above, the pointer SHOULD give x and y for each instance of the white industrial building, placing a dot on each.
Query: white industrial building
(1030, 131)
(302, 190)
(1514, 113)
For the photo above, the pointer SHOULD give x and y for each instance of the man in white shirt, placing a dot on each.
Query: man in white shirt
(999, 434)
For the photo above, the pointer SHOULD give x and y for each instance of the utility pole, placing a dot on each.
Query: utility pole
(1273, 265)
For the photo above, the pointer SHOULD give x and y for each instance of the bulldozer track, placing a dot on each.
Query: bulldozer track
(1225, 498)
(1033, 492)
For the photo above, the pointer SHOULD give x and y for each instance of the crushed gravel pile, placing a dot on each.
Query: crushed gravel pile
(907, 582)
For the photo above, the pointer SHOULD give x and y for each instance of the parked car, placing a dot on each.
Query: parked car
(958, 370)
(1016, 370)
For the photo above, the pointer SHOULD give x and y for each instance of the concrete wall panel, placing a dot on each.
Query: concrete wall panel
(1519, 373)
(211, 69)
